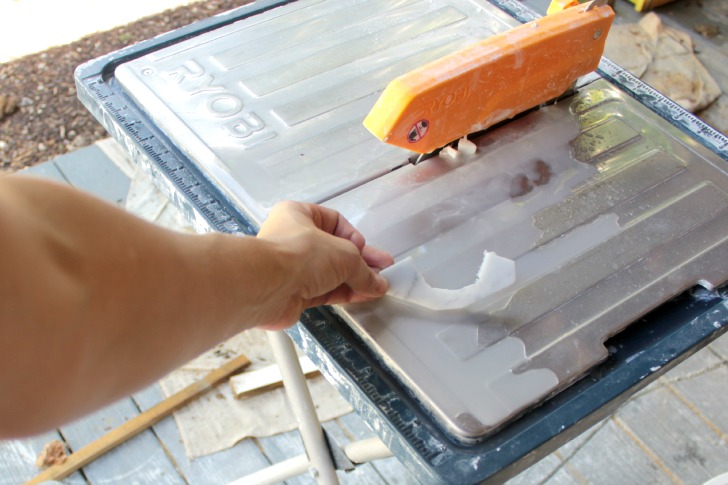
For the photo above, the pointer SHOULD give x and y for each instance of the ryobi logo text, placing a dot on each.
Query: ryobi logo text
(221, 103)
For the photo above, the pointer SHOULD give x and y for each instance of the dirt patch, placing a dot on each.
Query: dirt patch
(49, 119)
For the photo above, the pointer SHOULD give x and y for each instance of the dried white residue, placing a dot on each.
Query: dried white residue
(633, 357)
(407, 284)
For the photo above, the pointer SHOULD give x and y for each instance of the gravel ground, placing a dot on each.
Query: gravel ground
(40, 115)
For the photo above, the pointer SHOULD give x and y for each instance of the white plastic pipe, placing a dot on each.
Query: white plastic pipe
(357, 452)
(366, 450)
(312, 434)
(277, 473)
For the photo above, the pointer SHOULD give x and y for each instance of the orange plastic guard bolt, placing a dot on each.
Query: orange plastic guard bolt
(490, 81)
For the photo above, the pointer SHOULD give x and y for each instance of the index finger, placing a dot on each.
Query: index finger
(334, 223)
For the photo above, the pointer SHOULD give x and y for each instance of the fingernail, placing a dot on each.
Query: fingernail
(382, 285)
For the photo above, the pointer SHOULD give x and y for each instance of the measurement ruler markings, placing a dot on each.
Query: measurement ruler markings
(211, 209)
(362, 375)
(664, 106)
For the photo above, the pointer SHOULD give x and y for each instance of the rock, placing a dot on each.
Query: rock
(54, 453)
(8, 105)
(80, 141)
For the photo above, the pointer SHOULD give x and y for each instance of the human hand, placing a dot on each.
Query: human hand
(327, 259)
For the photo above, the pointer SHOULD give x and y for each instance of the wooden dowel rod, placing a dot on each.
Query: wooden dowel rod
(256, 382)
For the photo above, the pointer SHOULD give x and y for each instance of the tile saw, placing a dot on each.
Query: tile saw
(525, 252)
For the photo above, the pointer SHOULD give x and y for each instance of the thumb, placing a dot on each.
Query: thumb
(366, 282)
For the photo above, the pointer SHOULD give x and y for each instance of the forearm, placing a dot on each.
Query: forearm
(96, 302)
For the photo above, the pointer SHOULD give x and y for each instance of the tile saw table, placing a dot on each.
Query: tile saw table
(546, 269)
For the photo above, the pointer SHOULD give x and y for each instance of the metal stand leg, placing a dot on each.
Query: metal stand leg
(319, 461)
(322, 465)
